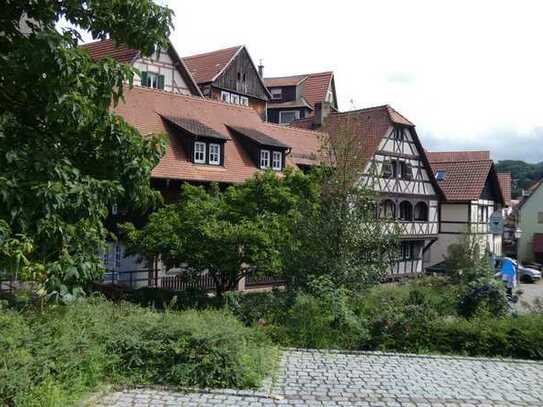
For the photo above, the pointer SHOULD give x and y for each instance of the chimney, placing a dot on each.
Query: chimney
(261, 69)
(321, 112)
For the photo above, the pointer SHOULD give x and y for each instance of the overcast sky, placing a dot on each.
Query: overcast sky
(467, 73)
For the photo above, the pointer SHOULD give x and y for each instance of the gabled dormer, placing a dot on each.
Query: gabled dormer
(295, 97)
(266, 151)
(231, 76)
(202, 144)
(164, 70)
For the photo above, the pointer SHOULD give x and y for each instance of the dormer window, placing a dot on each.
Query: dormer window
(199, 152)
(264, 159)
(214, 154)
(277, 161)
(276, 93)
(440, 175)
(288, 116)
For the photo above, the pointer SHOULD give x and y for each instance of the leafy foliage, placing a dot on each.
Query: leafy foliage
(65, 158)
(229, 234)
(52, 358)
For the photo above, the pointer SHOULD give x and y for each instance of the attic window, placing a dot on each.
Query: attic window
(440, 175)
(276, 93)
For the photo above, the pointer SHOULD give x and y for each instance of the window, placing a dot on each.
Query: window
(244, 77)
(199, 152)
(387, 209)
(483, 214)
(277, 161)
(244, 100)
(440, 175)
(152, 80)
(225, 96)
(234, 99)
(406, 211)
(276, 93)
(539, 217)
(264, 159)
(390, 169)
(406, 251)
(239, 76)
(288, 116)
(406, 171)
(214, 154)
(421, 212)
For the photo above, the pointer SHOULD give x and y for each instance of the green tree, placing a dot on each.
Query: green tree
(341, 237)
(228, 234)
(65, 159)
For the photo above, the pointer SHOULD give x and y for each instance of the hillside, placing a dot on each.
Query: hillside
(523, 174)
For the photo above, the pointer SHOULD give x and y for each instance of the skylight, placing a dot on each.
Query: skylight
(440, 175)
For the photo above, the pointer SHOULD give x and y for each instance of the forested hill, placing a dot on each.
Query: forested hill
(523, 174)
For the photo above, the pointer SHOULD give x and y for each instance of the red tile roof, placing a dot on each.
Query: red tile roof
(284, 80)
(207, 66)
(144, 109)
(458, 155)
(108, 48)
(315, 86)
(505, 185)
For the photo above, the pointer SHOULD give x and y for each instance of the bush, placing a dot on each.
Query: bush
(51, 358)
(483, 295)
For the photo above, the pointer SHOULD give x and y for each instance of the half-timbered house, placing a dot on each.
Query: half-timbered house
(397, 169)
(163, 71)
(294, 97)
(472, 193)
(230, 75)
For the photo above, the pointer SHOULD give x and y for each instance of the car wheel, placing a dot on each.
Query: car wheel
(527, 279)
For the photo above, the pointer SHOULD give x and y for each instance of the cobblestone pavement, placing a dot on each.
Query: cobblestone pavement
(313, 378)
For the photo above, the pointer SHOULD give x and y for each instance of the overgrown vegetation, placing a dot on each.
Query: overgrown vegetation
(51, 358)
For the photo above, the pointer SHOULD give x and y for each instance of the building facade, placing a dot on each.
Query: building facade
(294, 97)
(231, 76)
(472, 193)
(396, 168)
(529, 216)
(163, 71)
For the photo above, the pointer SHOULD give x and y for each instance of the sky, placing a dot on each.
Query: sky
(467, 73)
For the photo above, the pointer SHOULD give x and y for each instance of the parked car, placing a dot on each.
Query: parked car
(525, 274)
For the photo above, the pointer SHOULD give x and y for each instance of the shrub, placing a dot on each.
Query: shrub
(483, 295)
(51, 358)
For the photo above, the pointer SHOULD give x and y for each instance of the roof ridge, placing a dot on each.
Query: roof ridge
(461, 161)
(315, 132)
(198, 98)
(398, 113)
(364, 109)
(203, 54)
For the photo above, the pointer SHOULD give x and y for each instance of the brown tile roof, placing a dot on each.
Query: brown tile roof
(463, 180)
(207, 66)
(284, 80)
(145, 108)
(458, 155)
(505, 185)
(315, 86)
(107, 48)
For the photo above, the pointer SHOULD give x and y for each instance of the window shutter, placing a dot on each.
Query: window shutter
(144, 78)
(161, 81)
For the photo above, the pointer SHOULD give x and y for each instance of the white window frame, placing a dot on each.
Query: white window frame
(152, 80)
(276, 93)
(244, 100)
(277, 160)
(282, 112)
(234, 99)
(225, 96)
(264, 159)
(197, 152)
(214, 156)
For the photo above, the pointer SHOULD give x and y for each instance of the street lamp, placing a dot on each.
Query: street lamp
(518, 234)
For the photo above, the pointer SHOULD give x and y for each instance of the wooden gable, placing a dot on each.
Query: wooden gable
(241, 76)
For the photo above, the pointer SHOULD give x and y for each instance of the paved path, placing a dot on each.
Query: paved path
(313, 378)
